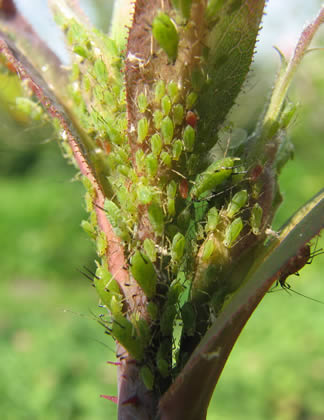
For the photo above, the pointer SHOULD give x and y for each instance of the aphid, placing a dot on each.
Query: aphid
(212, 220)
(147, 377)
(173, 90)
(156, 144)
(178, 247)
(102, 244)
(232, 232)
(166, 105)
(142, 129)
(189, 136)
(150, 249)
(209, 247)
(238, 201)
(142, 102)
(255, 172)
(157, 117)
(184, 188)
(165, 33)
(213, 176)
(156, 218)
(167, 130)
(151, 164)
(296, 263)
(100, 71)
(191, 119)
(159, 91)
(166, 159)
(256, 218)
(125, 333)
(144, 273)
(191, 100)
(177, 148)
(178, 112)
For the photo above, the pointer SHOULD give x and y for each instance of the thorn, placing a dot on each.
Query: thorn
(110, 398)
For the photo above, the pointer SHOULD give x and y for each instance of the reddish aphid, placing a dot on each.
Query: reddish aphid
(184, 188)
(191, 119)
(255, 172)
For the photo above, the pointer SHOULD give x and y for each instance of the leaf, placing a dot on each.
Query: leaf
(230, 47)
(207, 361)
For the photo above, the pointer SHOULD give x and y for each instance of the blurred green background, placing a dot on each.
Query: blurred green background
(53, 353)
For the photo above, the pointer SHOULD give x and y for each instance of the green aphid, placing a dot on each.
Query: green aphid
(209, 247)
(171, 206)
(172, 189)
(256, 218)
(116, 219)
(191, 100)
(177, 149)
(178, 113)
(30, 108)
(166, 159)
(125, 333)
(89, 202)
(159, 91)
(89, 229)
(151, 164)
(144, 194)
(150, 249)
(156, 144)
(178, 247)
(139, 159)
(157, 118)
(100, 71)
(142, 102)
(108, 290)
(142, 129)
(144, 273)
(232, 232)
(238, 201)
(166, 35)
(189, 136)
(166, 105)
(102, 244)
(147, 377)
(173, 91)
(212, 220)
(167, 130)
(213, 176)
(156, 218)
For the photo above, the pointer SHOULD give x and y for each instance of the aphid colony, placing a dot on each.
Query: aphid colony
(171, 223)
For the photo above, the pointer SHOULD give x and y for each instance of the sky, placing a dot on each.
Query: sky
(282, 24)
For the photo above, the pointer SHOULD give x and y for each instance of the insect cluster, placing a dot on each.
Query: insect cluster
(181, 219)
